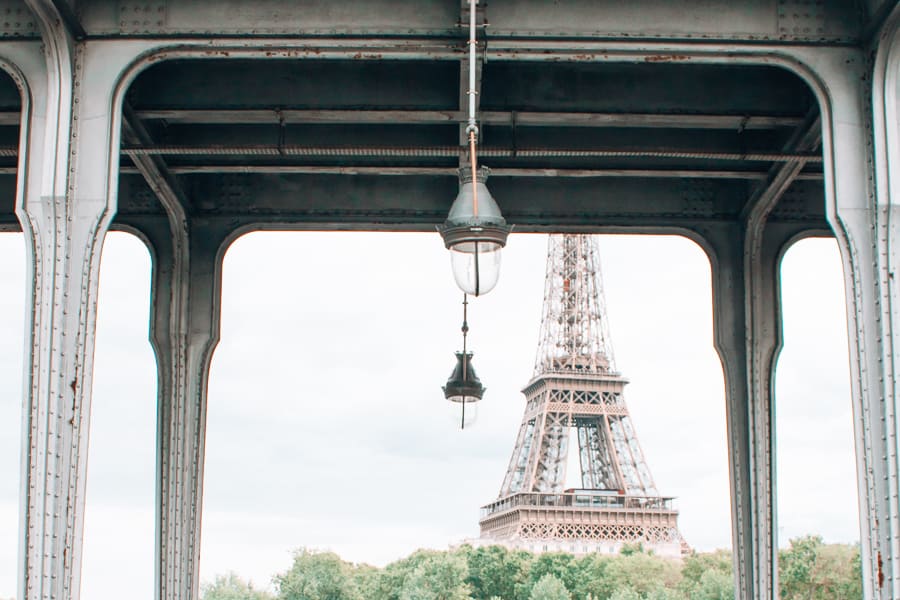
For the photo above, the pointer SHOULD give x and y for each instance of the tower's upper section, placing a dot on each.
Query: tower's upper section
(574, 335)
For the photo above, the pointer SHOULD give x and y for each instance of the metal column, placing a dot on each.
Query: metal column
(184, 331)
(64, 208)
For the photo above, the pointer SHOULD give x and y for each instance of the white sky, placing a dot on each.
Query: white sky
(327, 427)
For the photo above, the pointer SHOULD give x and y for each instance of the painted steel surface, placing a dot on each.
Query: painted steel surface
(720, 105)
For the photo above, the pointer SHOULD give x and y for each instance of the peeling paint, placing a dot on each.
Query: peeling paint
(666, 58)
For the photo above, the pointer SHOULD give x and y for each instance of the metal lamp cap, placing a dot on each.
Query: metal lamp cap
(463, 224)
(459, 386)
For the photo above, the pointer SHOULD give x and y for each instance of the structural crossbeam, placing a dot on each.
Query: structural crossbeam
(153, 168)
(438, 117)
(805, 139)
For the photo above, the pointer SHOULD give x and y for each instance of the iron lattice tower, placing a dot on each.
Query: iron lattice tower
(577, 393)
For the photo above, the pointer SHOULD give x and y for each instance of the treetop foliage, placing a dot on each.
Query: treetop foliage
(808, 569)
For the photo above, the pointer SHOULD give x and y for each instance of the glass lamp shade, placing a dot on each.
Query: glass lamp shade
(475, 234)
(459, 414)
(476, 266)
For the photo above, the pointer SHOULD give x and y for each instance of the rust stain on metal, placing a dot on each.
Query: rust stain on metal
(880, 571)
(74, 386)
(666, 58)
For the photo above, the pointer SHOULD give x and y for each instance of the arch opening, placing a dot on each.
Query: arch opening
(12, 348)
(816, 464)
(119, 537)
(326, 424)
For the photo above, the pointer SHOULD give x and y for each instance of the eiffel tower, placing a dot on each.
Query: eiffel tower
(577, 393)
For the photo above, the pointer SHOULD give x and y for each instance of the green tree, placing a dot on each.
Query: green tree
(796, 567)
(231, 587)
(366, 579)
(852, 585)
(664, 593)
(642, 573)
(496, 571)
(629, 549)
(561, 565)
(695, 565)
(592, 573)
(625, 593)
(708, 576)
(812, 570)
(438, 577)
(317, 576)
(549, 587)
(391, 580)
(715, 585)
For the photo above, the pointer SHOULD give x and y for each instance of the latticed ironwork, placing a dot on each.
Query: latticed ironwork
(575, 402)
(574, 332)
(590, 532)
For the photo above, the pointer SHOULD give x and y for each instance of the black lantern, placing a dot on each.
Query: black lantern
(463, 387)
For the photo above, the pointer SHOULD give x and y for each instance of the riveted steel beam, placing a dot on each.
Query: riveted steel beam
(435, 117)
(449, 171)
(785, 22)
(805, 139)
(153, 168)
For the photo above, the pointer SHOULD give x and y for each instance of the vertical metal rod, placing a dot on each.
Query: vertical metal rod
(472, 46)
(474, 163)
(472, 128)
(477, 271)
(462, 422)
(465, 331)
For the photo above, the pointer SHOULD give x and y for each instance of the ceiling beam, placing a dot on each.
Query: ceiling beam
(10, 118)
(70, 18)
(61, 11)
(153, 167)
(805, 139)
(451, 172)
(438, 117)
(873, 26)
(410, 152)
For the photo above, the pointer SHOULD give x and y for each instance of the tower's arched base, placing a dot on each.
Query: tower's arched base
(582, 522)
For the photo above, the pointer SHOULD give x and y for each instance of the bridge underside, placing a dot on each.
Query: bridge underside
(743, 125)
(374, 144)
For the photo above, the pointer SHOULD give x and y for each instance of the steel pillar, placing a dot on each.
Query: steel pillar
(64, 208)
(866, 220)
(184, 332)
(745, 261)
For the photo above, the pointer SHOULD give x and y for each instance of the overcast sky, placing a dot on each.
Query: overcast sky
(327, 427)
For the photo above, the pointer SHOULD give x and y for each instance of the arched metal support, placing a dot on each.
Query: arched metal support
(747, 326)
(184, 331)
(866, 218)
(64, 206)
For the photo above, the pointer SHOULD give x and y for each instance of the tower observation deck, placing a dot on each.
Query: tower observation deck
(575, 402)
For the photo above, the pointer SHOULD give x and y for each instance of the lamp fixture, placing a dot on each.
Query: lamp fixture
(475, 230)
(463, 387)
